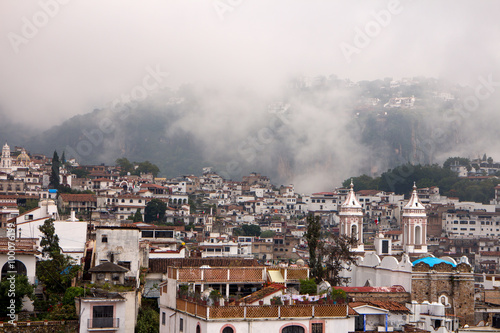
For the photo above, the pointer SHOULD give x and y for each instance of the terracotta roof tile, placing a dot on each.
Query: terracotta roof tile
(260, 294)
(68, 197)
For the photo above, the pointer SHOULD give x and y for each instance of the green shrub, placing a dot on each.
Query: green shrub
(308, 286)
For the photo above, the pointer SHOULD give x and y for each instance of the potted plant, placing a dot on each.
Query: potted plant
(215, 296)
(261, 302)
(338, 295)
(183, 291)
(276, 300)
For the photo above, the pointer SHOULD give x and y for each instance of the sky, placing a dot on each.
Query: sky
(62, 58)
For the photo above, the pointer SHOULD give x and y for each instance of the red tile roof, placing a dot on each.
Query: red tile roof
(260, 294)
(368, 192)
(23, 245)
(393, 289)
(386, 305)
(69, 197)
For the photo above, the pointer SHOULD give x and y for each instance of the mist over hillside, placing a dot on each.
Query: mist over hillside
(314, 133)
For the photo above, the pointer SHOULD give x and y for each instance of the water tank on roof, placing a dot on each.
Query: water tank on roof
(437, 309)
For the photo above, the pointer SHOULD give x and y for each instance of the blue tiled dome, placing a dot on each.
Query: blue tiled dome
(431, 261)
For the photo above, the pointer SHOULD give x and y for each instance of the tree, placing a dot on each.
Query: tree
(313, 238)
(155, 211)
(138, 216)
(29, 205)
(80, 173)
(54, 173)
(308, 286)
(148, 321)
(125, 165)
(337, 256)
(50, 240)
(147, 167)
(57, 272)
(247, 230)
(22, 288)
(456, 161)
(267, 234)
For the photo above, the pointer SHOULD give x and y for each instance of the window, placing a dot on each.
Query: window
(317, 328)
(228, 329)
(226, 249)
(102, 316)
(125, 264)
(293, 329)
(147, 234)
(19, 267)
(104, 238)
(163, 318)
(181, 325)
(164, 233)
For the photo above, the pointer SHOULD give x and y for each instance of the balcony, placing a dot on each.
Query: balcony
(235, 274)
(264, 312)
(103, 324)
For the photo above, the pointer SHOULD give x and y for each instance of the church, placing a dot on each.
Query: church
(409, 265)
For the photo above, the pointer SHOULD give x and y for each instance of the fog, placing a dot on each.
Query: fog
(62, 58)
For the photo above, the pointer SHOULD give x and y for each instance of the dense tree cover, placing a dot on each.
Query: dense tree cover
(155, 211)
(459, 161)
(80, 173)
(400, 180)
(247, 230)
(22, 288)
(148, 319)
(30, 204)
(267, 234)
(136, 168)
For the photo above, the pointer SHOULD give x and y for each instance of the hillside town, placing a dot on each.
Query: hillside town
(209, 254)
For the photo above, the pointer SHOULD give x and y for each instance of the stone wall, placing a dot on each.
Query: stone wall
(457, 284)
(383, 296)
(68, 326)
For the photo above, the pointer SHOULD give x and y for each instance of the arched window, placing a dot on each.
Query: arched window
(18, 267)
(418, 235)
(293, 329)
(354, 231)
(198, 329)
(228, 329)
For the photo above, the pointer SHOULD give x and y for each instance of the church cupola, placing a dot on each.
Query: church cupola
(351, 219)
(414, 220)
